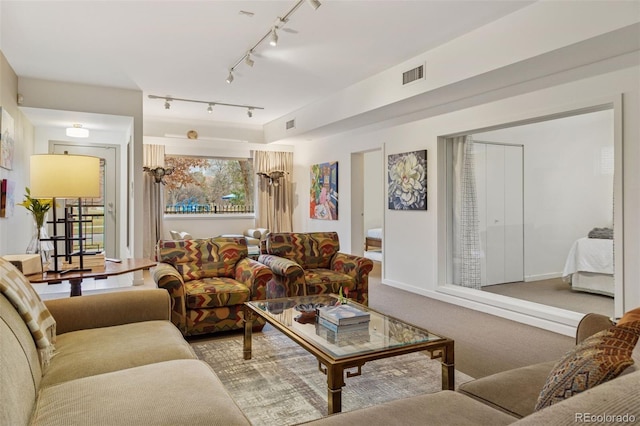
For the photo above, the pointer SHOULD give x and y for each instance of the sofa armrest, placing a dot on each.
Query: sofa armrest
(109, 309)
(591, 324)
(254, 275)
(167, 277)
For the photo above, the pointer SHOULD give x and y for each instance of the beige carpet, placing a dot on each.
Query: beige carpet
(281, 384)
(555, 292)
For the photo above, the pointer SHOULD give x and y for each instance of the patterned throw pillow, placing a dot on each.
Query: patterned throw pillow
(597, 359)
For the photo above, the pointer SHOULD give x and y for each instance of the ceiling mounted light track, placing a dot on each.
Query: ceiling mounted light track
(210, 104)
(271, 35)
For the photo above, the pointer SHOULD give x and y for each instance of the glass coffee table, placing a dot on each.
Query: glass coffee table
(346, 352)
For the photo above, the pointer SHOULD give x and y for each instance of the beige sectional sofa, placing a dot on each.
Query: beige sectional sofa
(118, 361)
(510, 397)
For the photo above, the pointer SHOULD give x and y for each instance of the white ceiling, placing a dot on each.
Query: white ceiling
(184, 48)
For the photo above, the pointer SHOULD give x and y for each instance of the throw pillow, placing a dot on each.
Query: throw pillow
(632, 315)
(597, 359)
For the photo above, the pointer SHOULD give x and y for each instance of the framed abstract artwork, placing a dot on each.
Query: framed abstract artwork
(323, 203)
(407, 179)
(7, 140)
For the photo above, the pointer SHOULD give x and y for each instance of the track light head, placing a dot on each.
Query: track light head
(250, 112)
(315, 4)
(273, 38)
(230, 77)
(210, 109)
(248, 60)
(167, 105)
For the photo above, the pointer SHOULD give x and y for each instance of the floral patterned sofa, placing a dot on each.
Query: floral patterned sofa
(209, 280)
(310, 263)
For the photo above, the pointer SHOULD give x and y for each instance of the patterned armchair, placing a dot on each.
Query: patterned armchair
(209, 280)
(309, 263)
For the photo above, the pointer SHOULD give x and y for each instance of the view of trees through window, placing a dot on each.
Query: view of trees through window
(209, 185)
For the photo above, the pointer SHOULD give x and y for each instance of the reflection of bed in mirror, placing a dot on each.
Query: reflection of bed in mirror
(589, 266)
(373, 239)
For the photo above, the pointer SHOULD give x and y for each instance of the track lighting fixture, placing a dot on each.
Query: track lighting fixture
(210, 104)
(315, 4)
(248, 60)
(271, 35)
(167, 105)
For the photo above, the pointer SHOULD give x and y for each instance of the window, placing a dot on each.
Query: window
(209, 185)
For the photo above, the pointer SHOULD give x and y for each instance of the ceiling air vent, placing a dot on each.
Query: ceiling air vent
(290, 124)
(413, 75)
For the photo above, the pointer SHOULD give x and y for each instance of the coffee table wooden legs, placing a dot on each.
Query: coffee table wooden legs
(248, 329)
(448, 367)
(335, 383)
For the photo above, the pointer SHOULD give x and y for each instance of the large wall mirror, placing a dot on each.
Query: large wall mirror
(530, 211)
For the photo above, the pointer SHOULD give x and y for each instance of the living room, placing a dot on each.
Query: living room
(479, 81)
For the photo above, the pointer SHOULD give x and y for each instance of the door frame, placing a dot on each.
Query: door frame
(110, 170)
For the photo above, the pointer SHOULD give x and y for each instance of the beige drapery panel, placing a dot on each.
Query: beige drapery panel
(153, 156)
(274, 203)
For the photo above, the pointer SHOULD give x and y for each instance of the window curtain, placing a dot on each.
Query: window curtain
(274, 203)
(466, 240)
(153, 156)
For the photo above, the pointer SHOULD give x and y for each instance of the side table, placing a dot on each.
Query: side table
(75, 278)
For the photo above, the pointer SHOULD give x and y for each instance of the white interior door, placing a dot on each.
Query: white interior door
(109, 154)
(499, 189)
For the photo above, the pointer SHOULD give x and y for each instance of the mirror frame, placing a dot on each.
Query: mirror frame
(536, 314)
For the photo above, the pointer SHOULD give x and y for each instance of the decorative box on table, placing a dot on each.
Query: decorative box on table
(26, 263)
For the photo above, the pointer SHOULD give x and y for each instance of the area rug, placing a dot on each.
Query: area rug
(281, 384)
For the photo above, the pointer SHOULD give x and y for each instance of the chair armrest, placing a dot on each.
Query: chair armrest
(288, 275)
(109, 309)
(167, 277)
(357, 267)
(280, 265)
(254, 275)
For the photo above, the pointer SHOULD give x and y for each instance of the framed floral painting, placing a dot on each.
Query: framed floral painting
(407, 178)
(7, 140)
(323, 203)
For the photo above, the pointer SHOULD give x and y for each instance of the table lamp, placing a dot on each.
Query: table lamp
(66, 176)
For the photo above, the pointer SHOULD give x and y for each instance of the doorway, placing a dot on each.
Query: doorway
(101, 233)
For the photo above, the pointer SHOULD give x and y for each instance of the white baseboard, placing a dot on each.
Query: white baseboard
(541, 277)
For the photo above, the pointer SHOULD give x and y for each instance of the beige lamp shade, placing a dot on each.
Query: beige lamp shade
(64, 176)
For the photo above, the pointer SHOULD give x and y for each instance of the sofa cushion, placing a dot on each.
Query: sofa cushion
(601, 405)
(324, 281)
(180, 392)
(441, 408)
(596, 360)
(215, 292)
(513, 391)
(203, 258)
(94, 351)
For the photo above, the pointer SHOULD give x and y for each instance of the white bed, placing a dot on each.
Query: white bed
(589, 266)
(373, 238)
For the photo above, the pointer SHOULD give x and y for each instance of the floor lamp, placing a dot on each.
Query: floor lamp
(66, 176)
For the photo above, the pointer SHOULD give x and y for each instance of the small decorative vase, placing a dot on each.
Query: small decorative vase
(39, 243)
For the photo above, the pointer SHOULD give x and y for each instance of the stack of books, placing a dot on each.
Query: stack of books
(343, 324)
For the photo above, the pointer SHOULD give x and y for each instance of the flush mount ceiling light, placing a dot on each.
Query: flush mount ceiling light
(210, 104)
(77, 131)
(271, 35)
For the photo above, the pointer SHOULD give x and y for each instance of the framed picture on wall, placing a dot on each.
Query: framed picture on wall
(323, 203)
(7, 197)
(7, 140)
(407, 179)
